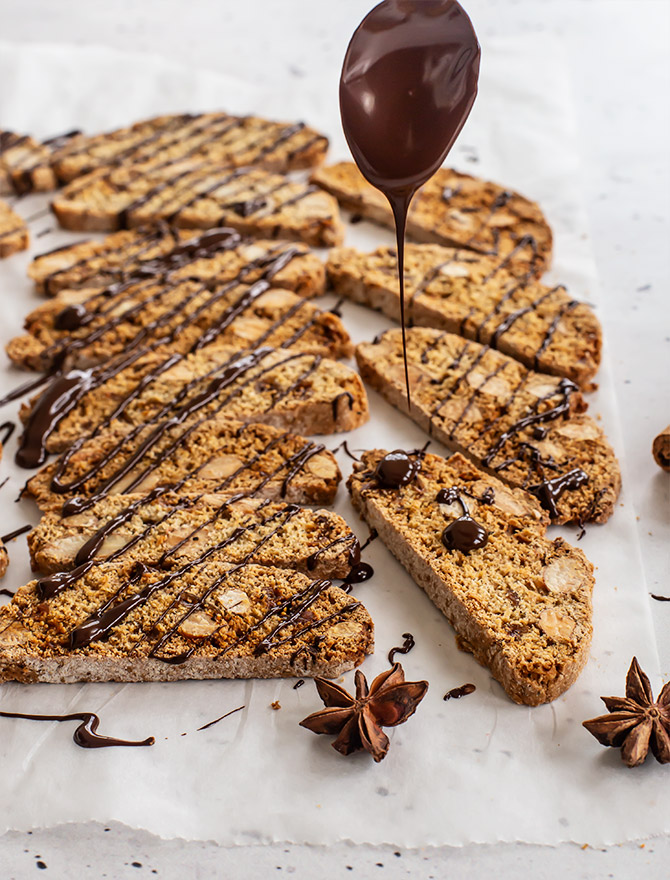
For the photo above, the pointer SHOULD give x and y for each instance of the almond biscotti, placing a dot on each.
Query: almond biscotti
(4, 559)
(24, 164)
(292, 390)
(178, 316)
(456, 210)
(201, 195)
(527, 428)
(519, 602)
(13, 232)
(477, 297)
(192, 454)
(163, 251)
(165, 529)
(202, 620)
(218, 138)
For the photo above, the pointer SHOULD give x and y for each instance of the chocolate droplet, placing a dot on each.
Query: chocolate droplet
(465, 534)
(396, 469)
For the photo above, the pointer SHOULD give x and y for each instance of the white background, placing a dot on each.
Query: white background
(614, 52)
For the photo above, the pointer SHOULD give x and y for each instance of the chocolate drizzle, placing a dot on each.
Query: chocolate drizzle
(396, 469)
(549, 491)
(464, 533)
(405, 648)
(85, 735)
(408, 83)
(6, 429)
(458, 692)
(220, 718)
(5, 539)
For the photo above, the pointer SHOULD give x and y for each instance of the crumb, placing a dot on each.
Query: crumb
(585, 846)
(275, 705)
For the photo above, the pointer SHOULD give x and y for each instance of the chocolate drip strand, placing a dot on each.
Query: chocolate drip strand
(85, 735)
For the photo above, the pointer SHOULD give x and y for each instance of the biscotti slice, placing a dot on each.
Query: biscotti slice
(454, 209)
(218, 138)
(293, 390)
(26, 165)
(163, 251)
(4, 559)
(178, 316)
(519, 602)
(166, 529)
(477, 297)
(13, 232)
(200, 195)
(204, 620)
(191, 455)
(527, 428)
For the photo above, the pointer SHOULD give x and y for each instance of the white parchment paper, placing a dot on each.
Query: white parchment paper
(476, 770)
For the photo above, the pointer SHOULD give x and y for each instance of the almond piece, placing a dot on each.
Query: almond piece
(562, 575)
(198, 626)
(221, 466)
(345, 629)
(579, 430)
(234, 601)
(556, 625)
(322, 466)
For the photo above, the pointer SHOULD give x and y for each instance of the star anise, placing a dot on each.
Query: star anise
(636, 723)
(358, 721)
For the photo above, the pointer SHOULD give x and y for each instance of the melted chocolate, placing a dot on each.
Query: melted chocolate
(408, 83)
(344, 445)
(220, 718)
(359, 573)
(405, 648)
(7, 429)
(458, 692)
(299, 683)
(660, 598)
(15, 534)
(85, 735)
(549, 491)
(4, 592)
(464, 533)
(397, 469)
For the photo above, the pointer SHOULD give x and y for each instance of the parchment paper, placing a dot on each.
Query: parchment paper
(476, 770)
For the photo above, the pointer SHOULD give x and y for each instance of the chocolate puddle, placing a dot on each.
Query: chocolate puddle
(408, 83)
(85, 735)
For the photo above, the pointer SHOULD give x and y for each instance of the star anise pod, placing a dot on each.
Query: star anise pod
(636, 723)
(358, 721)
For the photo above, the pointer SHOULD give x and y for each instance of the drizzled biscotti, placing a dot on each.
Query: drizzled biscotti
(293, 390)
(477, 297)
(4, 559)
(527, 428)
(199, 454)
(453, 209)
(201, 195)
(163, 251)
(165, 529)
(179, 316)
(13, 231)
(519, 602)
(26, 164)
(219, 138)
(201, 620)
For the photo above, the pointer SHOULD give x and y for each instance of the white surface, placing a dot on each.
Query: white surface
(641, 190)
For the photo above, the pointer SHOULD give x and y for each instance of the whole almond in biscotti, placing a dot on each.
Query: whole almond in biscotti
(200, 195)
(202, 619)
(478, 297)
(191, 455)
(456, 210)
(76, 329)
(14, 234)
(527, 428)
(288, 389)
(219, 138)
(517, 601)
(162, 250)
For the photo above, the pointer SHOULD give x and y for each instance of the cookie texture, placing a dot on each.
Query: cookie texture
(201, 620)
(521, 604)
(4, 560)
(164, 251)
(289, 389)
(201, 195)
(219, 138)
(24, 164)
(478, 297)
(527, 428)
(14, 234)
(453, 209)
(198, 454)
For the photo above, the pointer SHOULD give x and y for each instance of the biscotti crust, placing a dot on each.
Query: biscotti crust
(14, 234)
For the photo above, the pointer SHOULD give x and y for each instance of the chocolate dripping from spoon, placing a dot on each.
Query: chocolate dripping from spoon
(408, 83)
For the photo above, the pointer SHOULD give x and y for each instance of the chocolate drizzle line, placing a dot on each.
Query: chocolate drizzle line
(660, 598)
(344, 445)
(85, 735)
(220, 718)
(8, 428)
(15, 534)
(406, 647)
(9, 593)
(299, 683)
(458, 692)
(464, 533)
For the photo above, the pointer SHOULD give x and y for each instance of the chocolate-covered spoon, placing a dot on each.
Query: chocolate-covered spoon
(408, 83)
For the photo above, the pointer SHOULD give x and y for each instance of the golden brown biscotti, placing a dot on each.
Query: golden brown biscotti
(26, 164)
(163, 251)
(4, 559)
(525, 427)
(14, 234)
(477, 297)
(219, 138)
(166, 529)
(203, 620)
(178, 316)
(197, 454)
(197, 195)
(661, 449)
(520, 603)
(456, 210)
(292, 390)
